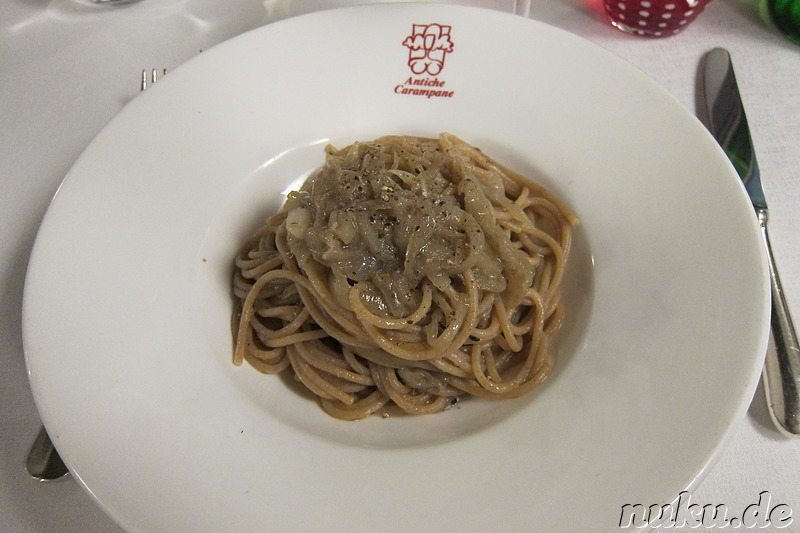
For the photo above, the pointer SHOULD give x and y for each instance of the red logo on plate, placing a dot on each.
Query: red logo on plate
(427, 46)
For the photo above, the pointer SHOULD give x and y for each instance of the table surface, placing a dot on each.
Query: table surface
(66, 68)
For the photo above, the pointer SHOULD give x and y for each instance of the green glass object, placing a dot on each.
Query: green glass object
(785, 14)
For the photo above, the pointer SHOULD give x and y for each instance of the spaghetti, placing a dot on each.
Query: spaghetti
(406, 271)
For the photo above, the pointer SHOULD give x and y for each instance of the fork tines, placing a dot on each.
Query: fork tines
(153, 77)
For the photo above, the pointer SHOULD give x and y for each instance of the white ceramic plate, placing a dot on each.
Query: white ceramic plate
(126, 315)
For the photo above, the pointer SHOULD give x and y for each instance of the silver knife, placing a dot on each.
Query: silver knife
(728, 124)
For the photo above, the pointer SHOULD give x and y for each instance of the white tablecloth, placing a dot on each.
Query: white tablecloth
(66, 68)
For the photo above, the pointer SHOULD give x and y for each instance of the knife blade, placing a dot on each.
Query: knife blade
(727, 122)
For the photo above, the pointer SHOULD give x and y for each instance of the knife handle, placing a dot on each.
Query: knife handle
(782, 367)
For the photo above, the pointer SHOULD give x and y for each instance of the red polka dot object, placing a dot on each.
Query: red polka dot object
(653, 18)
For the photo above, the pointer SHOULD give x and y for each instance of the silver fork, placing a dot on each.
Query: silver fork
(43, 461)
(152, 75)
